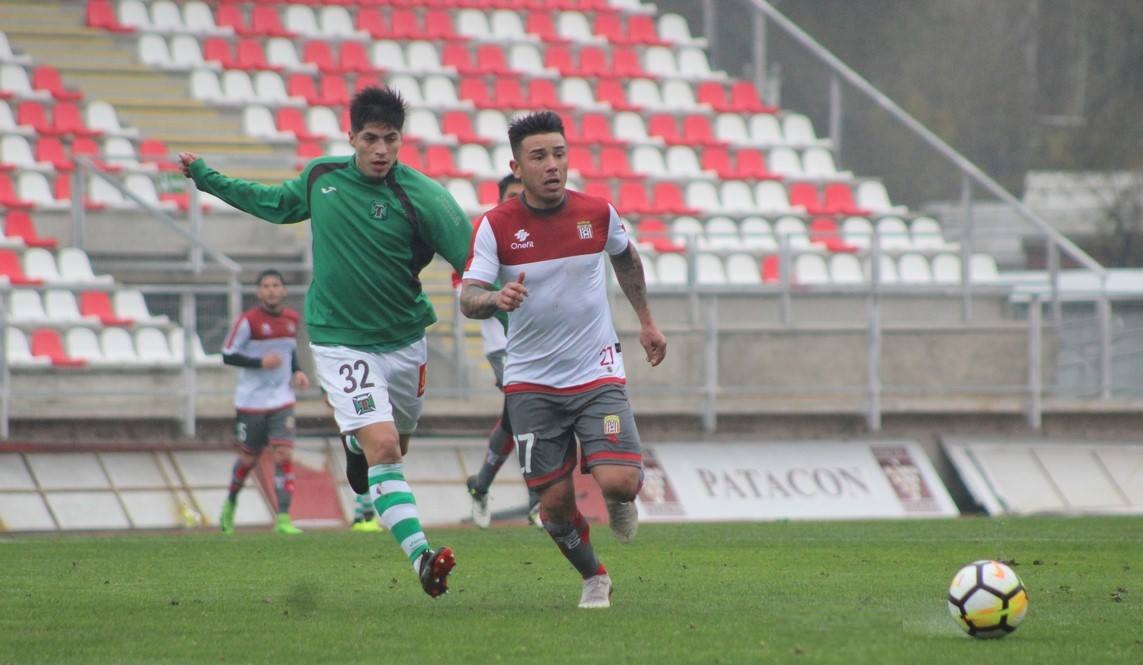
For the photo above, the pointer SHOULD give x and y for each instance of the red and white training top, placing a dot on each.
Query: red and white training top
(256, 333)
(562, 339)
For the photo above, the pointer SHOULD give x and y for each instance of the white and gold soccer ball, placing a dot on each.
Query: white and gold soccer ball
(987, 599)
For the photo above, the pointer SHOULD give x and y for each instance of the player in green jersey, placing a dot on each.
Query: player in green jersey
(376, 224)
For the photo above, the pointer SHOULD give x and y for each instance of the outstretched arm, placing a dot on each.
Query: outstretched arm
(479, 301)
(629, 273)
(281, 204)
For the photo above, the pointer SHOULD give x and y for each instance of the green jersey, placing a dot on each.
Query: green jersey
(371, 239)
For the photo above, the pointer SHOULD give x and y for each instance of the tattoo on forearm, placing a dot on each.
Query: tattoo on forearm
(477, 302)
(629, 273)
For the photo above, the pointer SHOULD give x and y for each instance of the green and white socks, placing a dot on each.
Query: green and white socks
(394, 502)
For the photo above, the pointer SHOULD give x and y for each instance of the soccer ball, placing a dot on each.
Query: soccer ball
(987, 599)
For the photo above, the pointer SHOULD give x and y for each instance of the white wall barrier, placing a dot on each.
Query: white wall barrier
(1057, 477)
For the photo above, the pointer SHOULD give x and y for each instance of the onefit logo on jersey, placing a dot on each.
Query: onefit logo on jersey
(584, 229)
(363, 404)
(522, 241)
(379, 210)
(611, 428)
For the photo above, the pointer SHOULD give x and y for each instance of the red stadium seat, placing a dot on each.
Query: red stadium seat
(154, 151)
(490, 59)
(600, 188)
(217, 49)
(718, 160)
(63, 193)
(87, 147)
(752, 165)
(653, 231)
(509, 93)
(101, 14)
(50, 149)
(542, 94)
(475, 90)
(67, 119)
(613, 163)
(438, 25)
(613, 92)
(713, 94)
(806, 194)
(251, 56)
(439, 163)
(771, 269)
(370, 20)
(8, 196)
(596, 128)
(290, 119)
(839, 201)
(18, 224)
(593, 62)
(98, 304)
(46, 77)
(633, 199)
(824, 231)
(266, 22)
(542, 24)
(626, 63)
(302, 85)
(404, 24)
(581, 158)
(354, 58)
(669, 197)
(319, 52)
(744, 98)
(459, 124)
(457, 56)
(666, 127)
(333, 91)
(34, 115)
(46, 343)
(641, 30)
(308, 150)
(13, 271)
(697, 130)
(411, 157)
(559, 58)
(366, 81)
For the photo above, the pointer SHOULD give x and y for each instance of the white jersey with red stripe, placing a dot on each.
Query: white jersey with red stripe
(561, 339)
(256, 333)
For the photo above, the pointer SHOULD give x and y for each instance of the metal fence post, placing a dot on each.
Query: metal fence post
(5, 374)
(835, 114)
(710, 362)
(187, 303)
(1034, 406)
(1103, 311)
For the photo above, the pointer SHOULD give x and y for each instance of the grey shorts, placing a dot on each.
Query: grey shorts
(255, 431)
(546, 428)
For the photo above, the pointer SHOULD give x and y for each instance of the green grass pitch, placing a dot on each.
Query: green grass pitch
(790, 592)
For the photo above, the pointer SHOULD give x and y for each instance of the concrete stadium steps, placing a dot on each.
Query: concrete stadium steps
(155, 102)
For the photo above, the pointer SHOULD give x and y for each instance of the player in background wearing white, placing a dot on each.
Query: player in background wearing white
(263, 343)
(500, 441)
(564, 376)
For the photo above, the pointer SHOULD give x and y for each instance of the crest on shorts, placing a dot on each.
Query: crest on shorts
(378, 209)
(611, 427)
(364, 403)
(584, 230)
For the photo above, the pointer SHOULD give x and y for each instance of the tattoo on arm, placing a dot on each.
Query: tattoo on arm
(629, 273)
(477, 302)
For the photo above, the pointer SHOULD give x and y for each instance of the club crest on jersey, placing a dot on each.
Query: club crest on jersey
(584, 228)
(266, 329)
(611, 428)
(364, 403)
(378, 210)
(522, 241)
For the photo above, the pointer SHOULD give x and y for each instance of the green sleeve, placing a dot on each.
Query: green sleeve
(281, 204)
(447, 229)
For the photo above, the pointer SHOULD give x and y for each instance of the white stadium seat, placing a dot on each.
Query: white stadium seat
(152, 347)
(19, 354)
(671, 269)
(913, 269)
(674, 28)
(742, 269)
(62, 309)
(336, 23)
(34, 187)
(75, 267)
(26, 308)
(117, 347)
(83, 343)
(300, 20)
(845, 269)
(810, 269)
(129, 304)
(709, 269)
(757, 235)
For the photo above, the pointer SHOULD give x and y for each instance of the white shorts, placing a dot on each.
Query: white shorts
(366, 388)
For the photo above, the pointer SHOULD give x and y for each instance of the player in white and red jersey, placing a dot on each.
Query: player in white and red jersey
(263, 343)
(564, 376)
